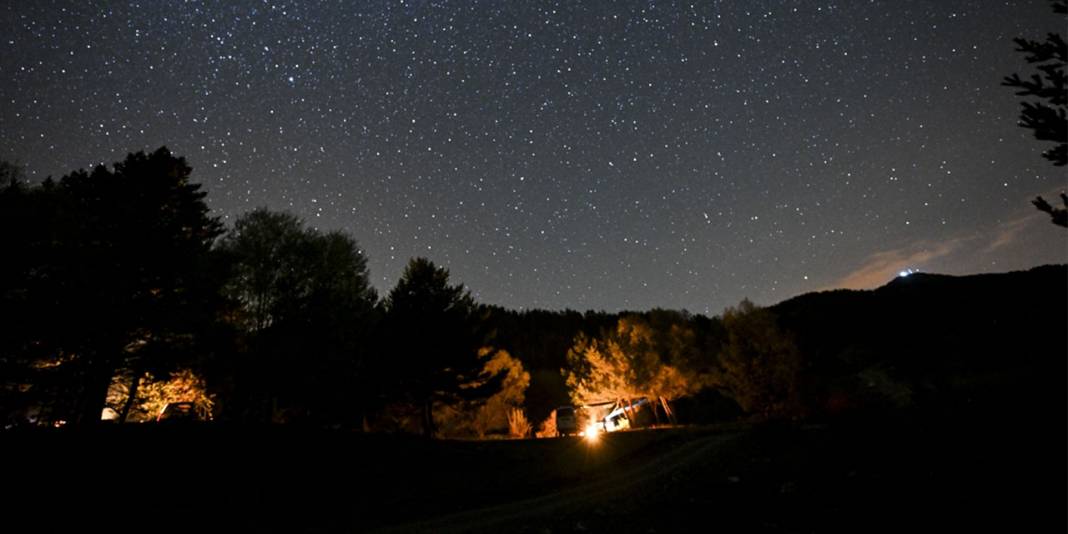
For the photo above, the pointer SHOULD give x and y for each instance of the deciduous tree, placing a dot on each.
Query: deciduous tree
(635, 360)
(760, 365)
(306, 307)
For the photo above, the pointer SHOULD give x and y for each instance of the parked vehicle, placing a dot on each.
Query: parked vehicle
(567, 423)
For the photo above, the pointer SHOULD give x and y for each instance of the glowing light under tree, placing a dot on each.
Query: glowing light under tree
(592, 433)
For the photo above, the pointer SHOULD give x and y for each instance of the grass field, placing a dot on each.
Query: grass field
(738, 478)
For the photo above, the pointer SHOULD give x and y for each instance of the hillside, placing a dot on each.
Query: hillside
(993, 342)
(928, 343)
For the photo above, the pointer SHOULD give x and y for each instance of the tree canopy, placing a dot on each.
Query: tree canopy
(432, 337)
(760, 364)
(305, 305)
(107, 268)
(638, 358)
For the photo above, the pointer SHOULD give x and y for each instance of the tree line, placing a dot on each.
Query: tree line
(120, 292)
(121, 287)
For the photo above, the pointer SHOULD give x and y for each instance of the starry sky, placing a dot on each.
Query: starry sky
(584, 155)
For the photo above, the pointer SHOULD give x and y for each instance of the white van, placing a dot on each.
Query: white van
(567, 423)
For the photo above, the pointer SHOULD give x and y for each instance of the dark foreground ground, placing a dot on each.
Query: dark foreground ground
(1007, 476)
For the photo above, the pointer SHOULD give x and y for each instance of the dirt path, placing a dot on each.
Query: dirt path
(602, 493)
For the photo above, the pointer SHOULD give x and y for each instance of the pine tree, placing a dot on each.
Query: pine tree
(1046, 114)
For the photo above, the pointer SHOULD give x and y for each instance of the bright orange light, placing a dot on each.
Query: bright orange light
(592, 433)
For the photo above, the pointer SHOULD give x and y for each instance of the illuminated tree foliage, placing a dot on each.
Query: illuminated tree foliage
(154, 394)
(631, 361)
(760, 365)
(479, 417)
(1046, 111)
(496, 411)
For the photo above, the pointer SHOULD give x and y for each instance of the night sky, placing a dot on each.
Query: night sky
(595, 155)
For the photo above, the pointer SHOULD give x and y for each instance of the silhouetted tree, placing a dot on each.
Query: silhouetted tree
(107, 270)
(10, 173)
(265, 259)
(17, 206)
(306, 306)
(432, 337)
(1059, 216)
(1046, 115)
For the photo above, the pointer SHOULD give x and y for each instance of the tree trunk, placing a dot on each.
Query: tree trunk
(667, 411)
(428, 418)
(94, 396)
(135, 385)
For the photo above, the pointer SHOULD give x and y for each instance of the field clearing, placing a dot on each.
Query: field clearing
(736, 478)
